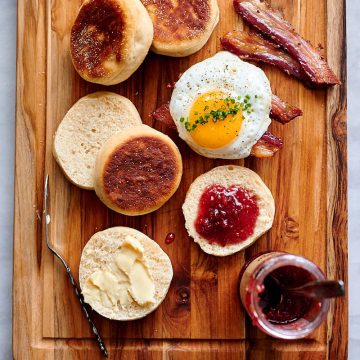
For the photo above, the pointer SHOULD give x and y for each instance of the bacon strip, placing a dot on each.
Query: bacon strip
(283, 112)
(251, 46)
(267, 146)
(163, 115)
(272, 24)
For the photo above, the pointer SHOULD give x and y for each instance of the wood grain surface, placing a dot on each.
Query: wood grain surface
(201, 317)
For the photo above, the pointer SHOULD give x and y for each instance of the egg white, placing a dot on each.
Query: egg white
(228, 74)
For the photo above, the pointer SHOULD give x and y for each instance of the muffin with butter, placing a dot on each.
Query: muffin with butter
(124, 275)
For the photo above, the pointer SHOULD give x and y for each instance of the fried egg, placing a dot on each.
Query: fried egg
(221, 106)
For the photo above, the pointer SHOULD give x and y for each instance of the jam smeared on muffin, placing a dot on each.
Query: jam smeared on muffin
(226, 215)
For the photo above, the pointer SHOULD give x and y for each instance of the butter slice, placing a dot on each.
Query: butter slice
(130, 251)
(124, 275)
(142, 287)
(102, 286)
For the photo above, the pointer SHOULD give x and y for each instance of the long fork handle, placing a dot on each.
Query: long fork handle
(88, 318)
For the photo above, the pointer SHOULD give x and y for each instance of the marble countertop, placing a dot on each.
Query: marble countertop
(7, 131)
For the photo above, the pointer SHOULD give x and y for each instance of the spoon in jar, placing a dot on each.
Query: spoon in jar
(319, 290)
(323, 289)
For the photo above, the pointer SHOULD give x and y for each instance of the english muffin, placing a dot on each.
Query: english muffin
(110, 39)
(124, 275)
(137, 171)
(181, 27)
(83, 130)
(227, 209)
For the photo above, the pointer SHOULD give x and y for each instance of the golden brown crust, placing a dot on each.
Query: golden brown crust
(184, 20)
(96, 36)
(181, 27)
(140, 173)
(137, 172)
(110, 39)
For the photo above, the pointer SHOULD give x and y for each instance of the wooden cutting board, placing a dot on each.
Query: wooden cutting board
(201, 317)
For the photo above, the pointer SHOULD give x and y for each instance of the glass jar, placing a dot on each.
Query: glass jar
(252, 286)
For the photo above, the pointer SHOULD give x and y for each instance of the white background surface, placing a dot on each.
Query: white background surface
(7, 122)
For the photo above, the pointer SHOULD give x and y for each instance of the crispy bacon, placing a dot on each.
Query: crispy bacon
(163, 115)
(283, 112)
(251, 46)
(272, 24)
(267, 146)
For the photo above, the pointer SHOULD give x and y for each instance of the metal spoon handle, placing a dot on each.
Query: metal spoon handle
(320, 289)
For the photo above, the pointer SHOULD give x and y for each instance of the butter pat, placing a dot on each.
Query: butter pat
(123, 280)
(142, 287)
(102, 287)
(130, 251)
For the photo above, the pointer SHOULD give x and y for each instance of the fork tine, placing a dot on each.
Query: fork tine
(46, 196)
(46, 186)
(46, 211)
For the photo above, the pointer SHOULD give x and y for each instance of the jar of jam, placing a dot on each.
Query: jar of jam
(277, 312)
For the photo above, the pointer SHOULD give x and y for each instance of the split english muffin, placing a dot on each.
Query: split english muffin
(137, 171)
(110, 39)
(227, 209)
(124, 275)
(182, 27)
(85, 128)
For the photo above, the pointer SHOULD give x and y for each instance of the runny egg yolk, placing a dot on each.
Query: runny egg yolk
(214, 131)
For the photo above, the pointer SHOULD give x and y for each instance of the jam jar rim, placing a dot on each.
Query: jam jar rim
(257, 278)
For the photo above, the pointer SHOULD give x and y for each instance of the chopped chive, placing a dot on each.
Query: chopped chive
(231, 107)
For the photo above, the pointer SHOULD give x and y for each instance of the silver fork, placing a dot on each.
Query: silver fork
(68, 271)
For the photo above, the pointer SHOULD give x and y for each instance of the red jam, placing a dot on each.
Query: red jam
(170, 237)
(279, 306)
(226, 215)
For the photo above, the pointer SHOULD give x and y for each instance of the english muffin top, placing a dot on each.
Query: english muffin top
(181, 27)
(140, 172)
(137, 170)
(97, 36)
(110, 39)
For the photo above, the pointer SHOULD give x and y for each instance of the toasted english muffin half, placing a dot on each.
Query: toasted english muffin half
(85, 128)
(110, 39)
(137, 171)
(227, 176)
(181, 27)
(98, 252)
